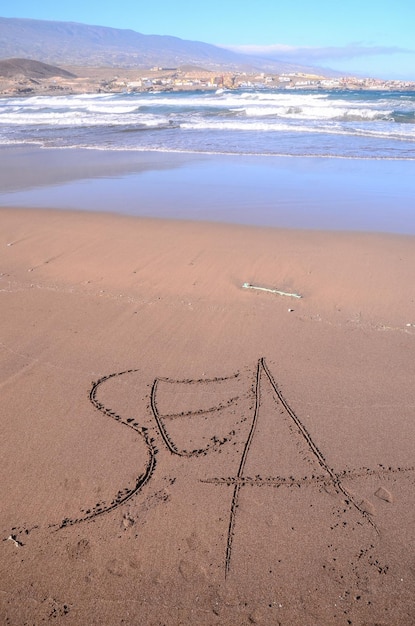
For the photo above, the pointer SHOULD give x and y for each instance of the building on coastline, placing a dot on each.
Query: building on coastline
(109, 80)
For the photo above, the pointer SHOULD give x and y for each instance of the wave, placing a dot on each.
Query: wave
(320, 113)
(275, 126)
(104, 108)
(271, 155)
(248, 121)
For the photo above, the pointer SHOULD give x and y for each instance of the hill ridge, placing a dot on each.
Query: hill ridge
(29, 68)
(74, 43)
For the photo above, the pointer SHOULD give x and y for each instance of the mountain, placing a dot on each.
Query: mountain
(11, 68)
(69, 43)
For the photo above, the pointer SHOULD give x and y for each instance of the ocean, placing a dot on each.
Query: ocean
(347, 124)
(293, 159)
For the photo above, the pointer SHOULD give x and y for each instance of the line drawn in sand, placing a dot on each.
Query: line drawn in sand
(328, 475)
(239, 481)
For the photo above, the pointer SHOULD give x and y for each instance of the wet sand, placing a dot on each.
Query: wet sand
(284, 192)
(178, 449)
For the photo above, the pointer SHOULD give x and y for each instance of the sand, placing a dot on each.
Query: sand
(177, 449)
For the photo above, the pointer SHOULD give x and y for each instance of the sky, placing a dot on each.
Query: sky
(360, 37)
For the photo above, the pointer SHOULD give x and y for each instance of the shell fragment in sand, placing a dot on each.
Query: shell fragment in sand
(16, 542)
(277, 291)
(384, 494)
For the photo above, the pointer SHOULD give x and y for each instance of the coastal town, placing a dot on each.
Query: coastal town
(76, 80)
(197, 79)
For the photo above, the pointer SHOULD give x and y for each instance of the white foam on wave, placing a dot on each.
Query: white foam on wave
(233, 125)
(291, 105)
(272, 125)
(270, 155)
(79, 118)
(317, 110)
(26, 119)
(112, 108)
(280, 96)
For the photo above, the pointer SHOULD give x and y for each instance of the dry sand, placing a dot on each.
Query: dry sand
(179, 450)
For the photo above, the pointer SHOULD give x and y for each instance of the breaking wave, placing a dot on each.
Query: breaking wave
(381, 125)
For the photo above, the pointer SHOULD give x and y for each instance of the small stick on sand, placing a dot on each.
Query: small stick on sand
(277, 291)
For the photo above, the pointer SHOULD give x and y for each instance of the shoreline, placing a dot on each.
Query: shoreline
(287, 192)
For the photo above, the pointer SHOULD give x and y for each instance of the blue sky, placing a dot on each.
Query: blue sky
(367, 37)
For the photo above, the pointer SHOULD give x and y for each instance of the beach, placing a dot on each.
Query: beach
(180, 447)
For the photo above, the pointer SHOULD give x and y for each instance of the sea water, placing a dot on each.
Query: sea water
(309, 159)
(362, 124)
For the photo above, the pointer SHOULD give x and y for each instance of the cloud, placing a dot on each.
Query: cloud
(309, 53)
